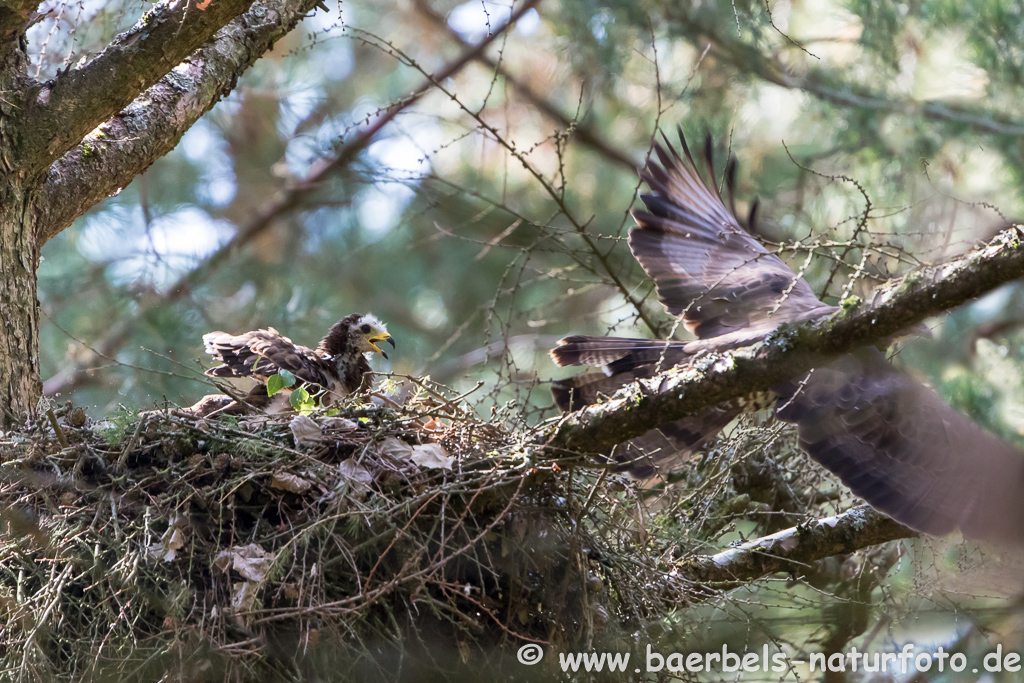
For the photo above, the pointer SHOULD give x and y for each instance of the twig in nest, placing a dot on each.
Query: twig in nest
(56, 428)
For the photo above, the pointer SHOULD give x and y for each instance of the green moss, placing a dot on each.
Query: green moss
(120, 424)
(910, 282)
(850, 303)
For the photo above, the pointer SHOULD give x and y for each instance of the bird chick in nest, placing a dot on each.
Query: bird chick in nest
(337, 367)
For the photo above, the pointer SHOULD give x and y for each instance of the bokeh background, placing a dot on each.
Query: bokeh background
(489, 217)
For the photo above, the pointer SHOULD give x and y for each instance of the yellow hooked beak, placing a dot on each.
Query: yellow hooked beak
(381, 338)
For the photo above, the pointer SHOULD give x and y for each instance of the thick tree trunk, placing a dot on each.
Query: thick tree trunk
(48, 176)
(20, 387)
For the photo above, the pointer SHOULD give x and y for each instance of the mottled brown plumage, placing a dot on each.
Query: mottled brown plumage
(890, 439)
(222, 404)
(334, 369)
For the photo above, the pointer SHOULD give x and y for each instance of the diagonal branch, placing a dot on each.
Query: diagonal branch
(127, 144)
(286, 201)
(56, 115)
(791, 550)
(582, 132)
(791, 351)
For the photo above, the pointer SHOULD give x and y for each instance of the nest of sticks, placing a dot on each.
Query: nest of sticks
(375, 543)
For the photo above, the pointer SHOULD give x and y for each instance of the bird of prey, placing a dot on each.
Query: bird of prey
(890, 439)
(334, 369)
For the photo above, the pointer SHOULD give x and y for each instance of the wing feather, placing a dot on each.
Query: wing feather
(705, 266)
(898, 446)
(890, 439)
(262, 353)
(619, 354)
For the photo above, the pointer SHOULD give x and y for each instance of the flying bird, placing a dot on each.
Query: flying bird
(890, 439)
(337, 367)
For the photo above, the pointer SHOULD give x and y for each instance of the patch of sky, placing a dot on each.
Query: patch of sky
(473, 20)
(336, 60)
(158, 253)
(52, 42)
(398, 164)
(992, 304)
(379, 209)
(599, 23)
(325, 224)
(327, 21)
(304, 150)
(206, 149)
(300, 153)
(300, 101)
(430, 309)
(332, 129)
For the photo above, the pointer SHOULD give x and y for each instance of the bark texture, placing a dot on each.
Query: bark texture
(146, 88)
(56, 115)
(792, 550)
(129, 142)
(19, 249)
(790, 351)
(20, 385)
(15, 16)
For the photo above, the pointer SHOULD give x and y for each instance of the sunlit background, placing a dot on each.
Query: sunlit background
(488, 218)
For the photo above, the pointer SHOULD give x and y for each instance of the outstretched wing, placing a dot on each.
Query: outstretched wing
(263, 353)
(898, 446)
(704, 265)
(890, 439)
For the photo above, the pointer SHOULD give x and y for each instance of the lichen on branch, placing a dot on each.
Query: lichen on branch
(790, 351)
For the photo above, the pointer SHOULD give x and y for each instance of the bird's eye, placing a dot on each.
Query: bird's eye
(365, 329)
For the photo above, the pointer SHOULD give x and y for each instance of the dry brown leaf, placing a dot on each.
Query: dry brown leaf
(251, 561)
(432, 456)
(290, 482)
(171, 541)
(305, 431)
(339, 423)
(396, 449)
(357, 475)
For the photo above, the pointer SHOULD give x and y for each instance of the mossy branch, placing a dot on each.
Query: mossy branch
(790, 351)
(15, 16)
(129, 142)
(794, 549)
(56, 115)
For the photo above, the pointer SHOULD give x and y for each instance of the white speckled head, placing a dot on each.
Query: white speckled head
(369, 330)
(360, 332)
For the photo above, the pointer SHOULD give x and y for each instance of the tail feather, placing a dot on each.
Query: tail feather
(619, 354)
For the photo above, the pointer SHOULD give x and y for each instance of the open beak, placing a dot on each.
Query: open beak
(383, 338)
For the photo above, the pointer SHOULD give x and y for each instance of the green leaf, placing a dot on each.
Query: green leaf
(281, 380)
(298, 398)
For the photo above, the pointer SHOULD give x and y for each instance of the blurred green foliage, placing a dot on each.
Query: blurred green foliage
(879, 134)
